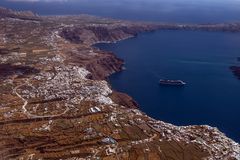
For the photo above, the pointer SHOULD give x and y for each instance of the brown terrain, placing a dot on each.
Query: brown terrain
(55, 102)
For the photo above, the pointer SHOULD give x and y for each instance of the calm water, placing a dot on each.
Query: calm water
(202, 59)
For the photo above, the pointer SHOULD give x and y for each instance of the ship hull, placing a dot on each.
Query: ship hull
(172, 83)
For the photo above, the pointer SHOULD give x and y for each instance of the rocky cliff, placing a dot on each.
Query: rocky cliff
(104, 34)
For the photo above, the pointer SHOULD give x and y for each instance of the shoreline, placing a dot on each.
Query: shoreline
(189, 125)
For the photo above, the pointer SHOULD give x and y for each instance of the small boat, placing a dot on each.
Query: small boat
(172, 82)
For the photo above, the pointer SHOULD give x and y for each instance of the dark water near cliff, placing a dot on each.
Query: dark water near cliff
(202, 59)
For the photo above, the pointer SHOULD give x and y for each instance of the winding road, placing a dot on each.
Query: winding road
(26, 103)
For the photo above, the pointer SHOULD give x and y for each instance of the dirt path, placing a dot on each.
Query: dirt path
(25, 111)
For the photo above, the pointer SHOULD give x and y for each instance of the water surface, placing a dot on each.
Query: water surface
(202, 59)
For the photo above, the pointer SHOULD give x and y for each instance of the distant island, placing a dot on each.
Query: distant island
(236, 69)
(55, 102)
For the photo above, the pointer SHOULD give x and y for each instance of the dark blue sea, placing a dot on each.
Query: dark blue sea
(202, 59)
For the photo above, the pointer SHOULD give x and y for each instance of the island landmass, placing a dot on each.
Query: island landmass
(55, 102)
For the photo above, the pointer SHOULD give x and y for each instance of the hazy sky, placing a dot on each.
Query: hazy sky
(37, 0)
(192, 1)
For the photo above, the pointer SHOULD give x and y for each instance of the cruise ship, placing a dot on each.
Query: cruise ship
(172, 82)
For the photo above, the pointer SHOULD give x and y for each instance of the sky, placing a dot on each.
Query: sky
(117, 0)
(37, 0)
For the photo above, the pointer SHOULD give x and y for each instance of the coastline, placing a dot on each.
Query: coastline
(152, 27)
(234, 137)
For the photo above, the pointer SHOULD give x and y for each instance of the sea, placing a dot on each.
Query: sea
(201, 59)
